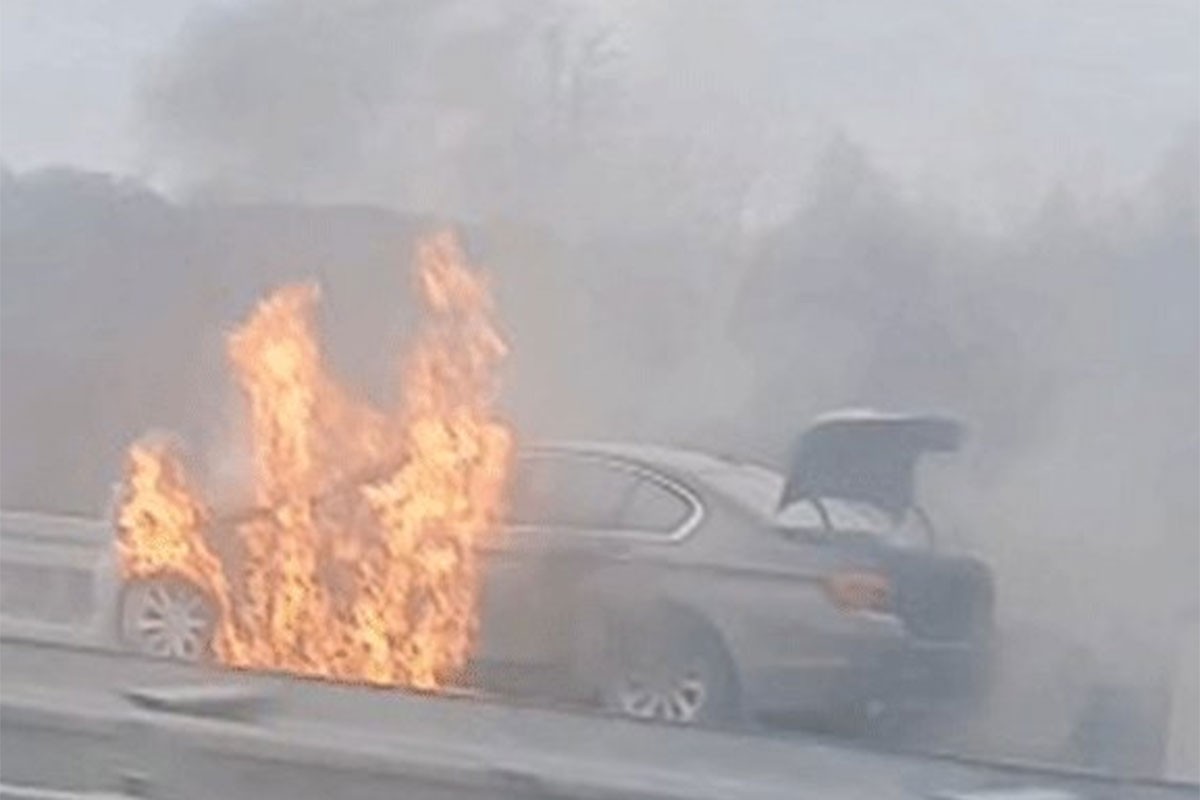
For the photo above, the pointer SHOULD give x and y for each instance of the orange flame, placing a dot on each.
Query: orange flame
(373, 580)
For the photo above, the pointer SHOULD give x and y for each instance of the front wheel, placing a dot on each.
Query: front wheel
(167, 617)
(678, 674)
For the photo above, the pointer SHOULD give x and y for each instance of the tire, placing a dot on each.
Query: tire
(672, 671)
(168, 617)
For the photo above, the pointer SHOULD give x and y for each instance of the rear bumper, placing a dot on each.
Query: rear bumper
(905, 674)
(832, 670)
(924, 673)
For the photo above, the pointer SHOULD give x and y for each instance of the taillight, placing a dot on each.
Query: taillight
(859, 590)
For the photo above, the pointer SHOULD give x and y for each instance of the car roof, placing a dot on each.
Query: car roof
(751, 485)
(675, 458)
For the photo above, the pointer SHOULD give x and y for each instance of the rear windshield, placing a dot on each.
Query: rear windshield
(754, 488)
(757, 489)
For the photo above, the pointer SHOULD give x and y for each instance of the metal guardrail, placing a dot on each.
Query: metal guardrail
(54, 527)
(9, 791)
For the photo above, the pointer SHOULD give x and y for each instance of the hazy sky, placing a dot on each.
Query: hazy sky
(1062, 342)
(1089, 89)
(69, 73)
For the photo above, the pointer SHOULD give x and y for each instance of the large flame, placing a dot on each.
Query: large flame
(363, 561)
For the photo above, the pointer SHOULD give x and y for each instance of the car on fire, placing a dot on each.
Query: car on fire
(667, 584)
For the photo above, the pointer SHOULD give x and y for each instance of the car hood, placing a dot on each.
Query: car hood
(867, 456)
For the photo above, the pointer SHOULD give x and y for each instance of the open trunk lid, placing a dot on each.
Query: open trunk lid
(871, 457)
(866, 456)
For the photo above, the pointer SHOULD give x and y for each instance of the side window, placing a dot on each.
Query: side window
(559, 491)
(582, 494)
(654, 507)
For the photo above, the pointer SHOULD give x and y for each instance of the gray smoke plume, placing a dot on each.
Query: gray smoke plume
(706, 224)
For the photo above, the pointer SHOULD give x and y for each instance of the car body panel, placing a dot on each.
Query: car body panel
(757, 587)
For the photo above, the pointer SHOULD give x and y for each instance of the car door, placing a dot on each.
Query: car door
(572, 513)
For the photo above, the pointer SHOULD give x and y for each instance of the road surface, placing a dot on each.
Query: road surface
(78, 715)
(67, 721)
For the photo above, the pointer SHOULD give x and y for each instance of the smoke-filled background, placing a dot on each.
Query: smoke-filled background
(705, 223)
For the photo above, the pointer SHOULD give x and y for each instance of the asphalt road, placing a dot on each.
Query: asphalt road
(67, 721)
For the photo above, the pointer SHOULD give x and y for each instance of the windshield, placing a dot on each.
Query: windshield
(540, 397)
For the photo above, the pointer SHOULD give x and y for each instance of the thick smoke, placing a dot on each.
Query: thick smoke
(702, 232)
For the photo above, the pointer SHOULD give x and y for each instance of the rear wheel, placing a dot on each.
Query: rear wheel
(168, 617)
(675, 673)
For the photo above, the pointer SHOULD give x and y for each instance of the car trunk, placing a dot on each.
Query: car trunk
(871, 457)
(940, 597)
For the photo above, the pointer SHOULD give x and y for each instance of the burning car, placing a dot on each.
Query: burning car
(672, 585)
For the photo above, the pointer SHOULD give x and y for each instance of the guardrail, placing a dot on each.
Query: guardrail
(55, 527)
(10, 791)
